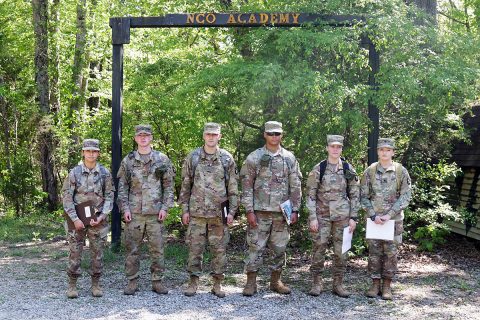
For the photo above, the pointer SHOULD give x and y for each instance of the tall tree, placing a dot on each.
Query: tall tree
(45, 136)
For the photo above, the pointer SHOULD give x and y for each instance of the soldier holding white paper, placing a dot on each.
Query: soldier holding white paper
(333, 203)
(385, 193)
(88, 181)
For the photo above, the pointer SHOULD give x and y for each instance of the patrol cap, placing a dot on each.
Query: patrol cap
(143, 128)
(273, 126)
(212, 127)
(91, 144)
(335, 139)
(386, 143)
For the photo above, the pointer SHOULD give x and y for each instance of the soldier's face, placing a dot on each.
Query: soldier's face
(385, 154)
(90, 156)
(334, 150)
(143, 139)
(273, 138)
(211, 139)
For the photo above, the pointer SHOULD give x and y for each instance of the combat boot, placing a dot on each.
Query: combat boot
(317, 286)
(72, 292)
(131, 287)
(338, 288)
(96, 289)
(158, 287)
(277, 285)
(374, 289)
(251, 286)
(217, 286)
(386, 289)
(192, 286)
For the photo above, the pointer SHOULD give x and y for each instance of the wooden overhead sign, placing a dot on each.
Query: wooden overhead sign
(243, 19)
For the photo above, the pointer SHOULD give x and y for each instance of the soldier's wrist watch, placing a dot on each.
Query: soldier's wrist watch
(373, 217)
(354, 219)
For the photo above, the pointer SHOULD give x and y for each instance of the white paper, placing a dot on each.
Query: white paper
(87, 212)
(225, 213)
(347, 240)
(287, 210)
(380, 231)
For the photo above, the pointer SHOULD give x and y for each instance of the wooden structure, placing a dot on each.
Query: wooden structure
(466, 191)
(121, 35)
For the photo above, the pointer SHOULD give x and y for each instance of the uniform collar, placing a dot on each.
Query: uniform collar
(139, 158)
(214, 156)
(389, 168)
(87, 170)
(279, 152)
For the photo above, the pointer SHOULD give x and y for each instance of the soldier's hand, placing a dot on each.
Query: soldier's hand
(314, 225)
(378, 220)
(127, 216)
(385, 218)
(78, 225)
(100, 218)
(294, 218)
(162, 215)
(352, 224)
(185, 218)
(252, 219)
(229, 219)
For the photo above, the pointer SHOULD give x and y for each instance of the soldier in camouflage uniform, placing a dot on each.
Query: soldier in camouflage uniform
(385, 193)
(88, 181)
(270, 176)
(145, 193)
(333, 202)
(209, 178)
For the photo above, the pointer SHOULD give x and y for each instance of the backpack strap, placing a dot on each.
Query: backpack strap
(323, 168)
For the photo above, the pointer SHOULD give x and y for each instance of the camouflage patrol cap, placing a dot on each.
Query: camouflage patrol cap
(273, 126)
(91, 144)
(212, 127)
(335, 139)
(386, 143)
(143, 128)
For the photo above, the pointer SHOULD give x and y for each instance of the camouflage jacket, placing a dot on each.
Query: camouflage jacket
(202, 196)
(83, 184)
(268, 180)
(381, 196)
(145, 187)
(329, 199)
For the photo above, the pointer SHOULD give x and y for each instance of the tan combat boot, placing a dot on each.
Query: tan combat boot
(72, 292)
(317, 286)
(251, 286)
(158, 287)
(192, 286)
(374, 289)
(131, 287)
(386, 289)
(96, 289)
(277, 285)
(217, 286)
(338, 288)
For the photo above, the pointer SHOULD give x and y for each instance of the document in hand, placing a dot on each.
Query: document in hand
(380, 231)
(225, 207)
(287, 210)
(347, 239)
(85, 212)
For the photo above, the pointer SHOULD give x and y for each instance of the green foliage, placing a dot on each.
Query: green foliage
(430, 236)
(34, 227)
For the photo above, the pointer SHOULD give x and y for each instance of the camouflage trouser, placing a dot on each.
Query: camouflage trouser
(144, 226)
(271, 230)
(382, 255)
(96, 238)
(327, 229)
(199, 229)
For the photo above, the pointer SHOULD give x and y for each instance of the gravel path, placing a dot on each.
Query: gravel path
(33, 284)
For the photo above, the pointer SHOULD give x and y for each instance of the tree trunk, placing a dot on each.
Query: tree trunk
(45, 141)
(429, 6)
(54, 54)
(78, 90)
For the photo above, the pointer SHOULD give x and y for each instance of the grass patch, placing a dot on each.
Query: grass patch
(176, 252)
(34, 227)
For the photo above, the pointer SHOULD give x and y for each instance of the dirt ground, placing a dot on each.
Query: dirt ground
(440, 285)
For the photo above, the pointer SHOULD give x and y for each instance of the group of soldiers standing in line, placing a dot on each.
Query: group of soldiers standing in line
(269, 177)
